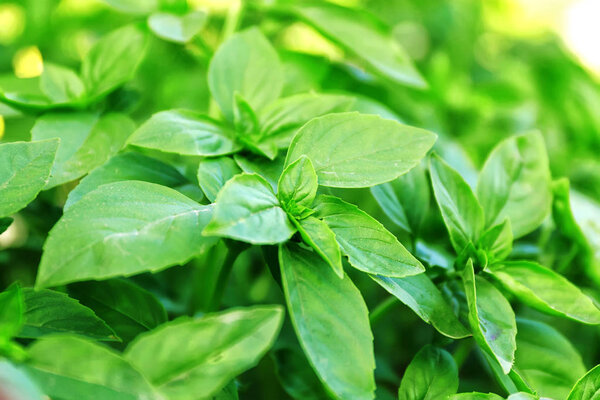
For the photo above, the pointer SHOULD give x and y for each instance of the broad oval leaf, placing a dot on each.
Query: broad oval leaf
(126, 167)
(331, 321)
(321, 238)
(113, 60)
(431, 375)
(588, 387)
(298, 185)
(201, 356)
(491, 318)
(24, 171)
(369, 246)
(460, 209)
(421, 295)
(545, 290)
(185, 132)
(546, 360)
(86, 141)
(213, 173)
(359, 150)
(60, 84)
(405, 200)
(121, 229)
(47, 312)
(73, 368)
(249, 65)
(364, 37)
(246, 209)
(126, 307)
(515, 183)
(177, 28)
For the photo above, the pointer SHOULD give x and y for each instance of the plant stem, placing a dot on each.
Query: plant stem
(233, 251)
(382, 308)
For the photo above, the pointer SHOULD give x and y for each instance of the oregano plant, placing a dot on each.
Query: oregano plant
(294, 200)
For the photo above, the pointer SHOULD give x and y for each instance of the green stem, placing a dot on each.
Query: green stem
(234, 250)
(382, 309)
(232, 20)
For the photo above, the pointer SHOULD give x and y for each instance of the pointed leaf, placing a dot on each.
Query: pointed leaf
(298, 185)
(213, 173)
(321, 238)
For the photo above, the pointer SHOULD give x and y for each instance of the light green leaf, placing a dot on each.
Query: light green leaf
(86, 141)
(364, 37)
(73, 368)
(152, 227)
(11, 311)
(185, 132)
(246, 209)
(431, 375)
(369, 246)
(588, 387)
(60, 84)
(16, 385)
(134, 6)
(127, 308)
(460, 209)
(177, 28)
(297, 186)
(279, 120)
(546, 360)
(522, 396)
(491, 318)
(200, 356)
(113, 60)
(24, 171)
(331, 321)
(213, 173)
(48, 312)
(271, 170)
(515, 183)
(545, 290)
(420, 294)
(359, 150)
(249, 65)
(405, 199)
(475, 396)
(321, 238)
(497, 241)
(127, 167)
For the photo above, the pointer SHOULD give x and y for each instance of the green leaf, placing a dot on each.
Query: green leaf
(121, 229)
(588, 387)
(522, 396)
(16, 385)
(297, 186)
(177, 28)
(60, 84)
(246, 63)
(405, 200)
(126, 167)
(5, 223)
(460, 209)
(497, 241)
(213, 173)
(546, 360)
(201, 356)
(48, 312)
(296, 375)
(86, 141)
(113, 60)
(420, 294)
(359, 150)
(586, 212)
(474, 396)
(73, 368)
(185, 132)
(369, 246)
(331, 321)
(491, 318)
(545, 290)
(321, 238)
(431, 375)
(515, 183)
(134, 6)
(127, 308)
(366, 37)
(11, 311)
(279, 120)
(24, 171)
(246, 209)
(271, 170)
